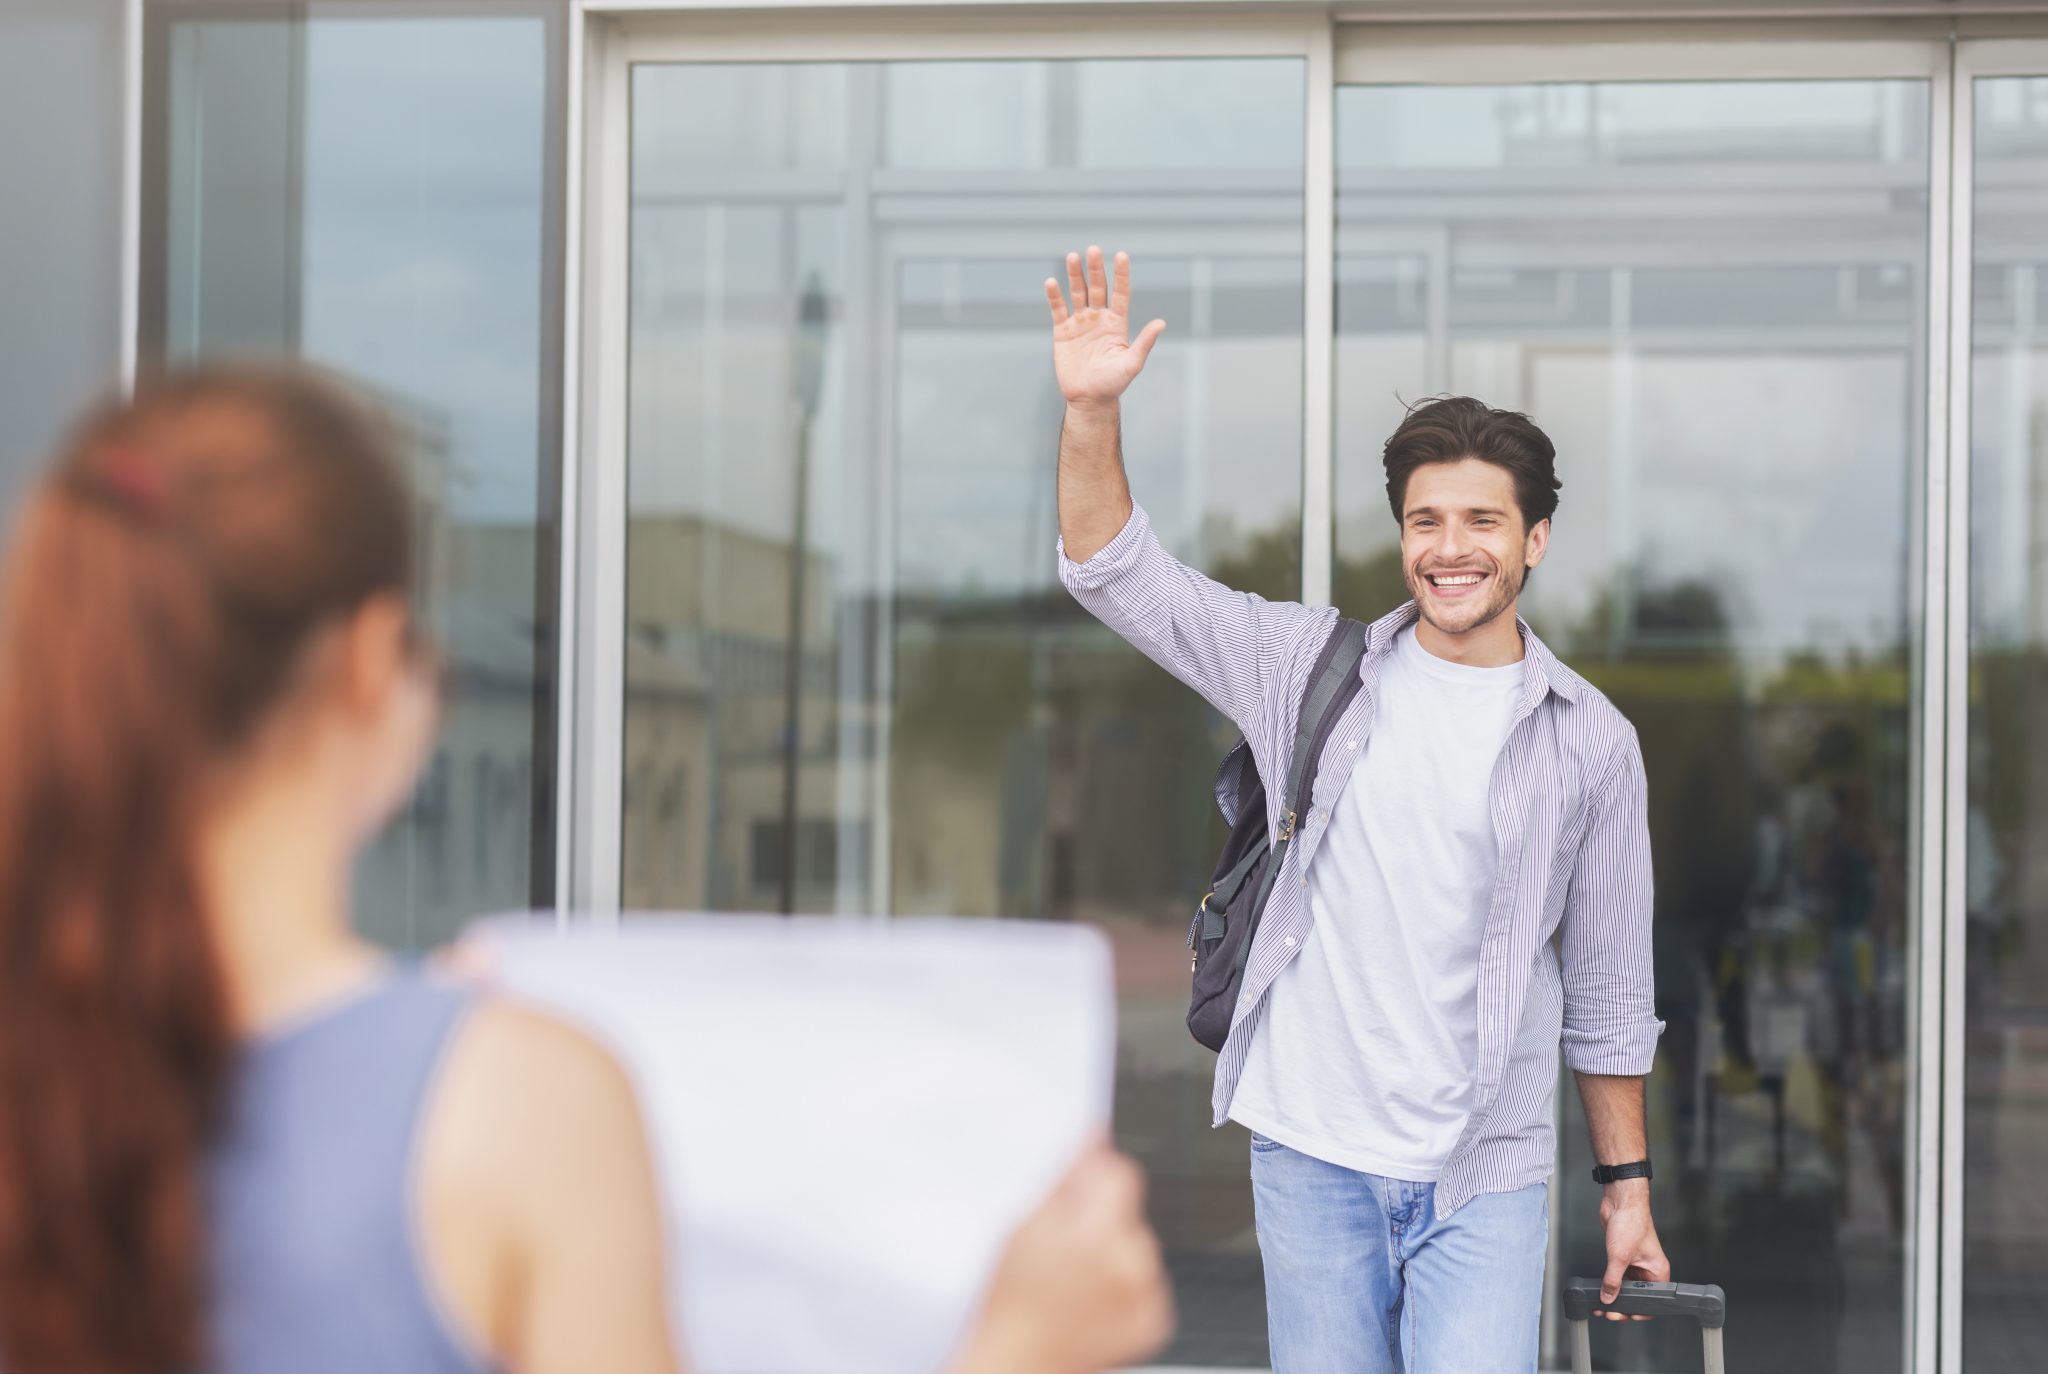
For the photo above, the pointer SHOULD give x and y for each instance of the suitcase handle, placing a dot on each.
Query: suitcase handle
(1704, 1302)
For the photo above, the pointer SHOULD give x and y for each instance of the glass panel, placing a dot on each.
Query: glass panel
(842, 436)
(61, 75)
(376, 194)
(2005, 1122)
(1709, 296)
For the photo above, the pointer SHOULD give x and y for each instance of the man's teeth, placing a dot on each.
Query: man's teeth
(1462, 580)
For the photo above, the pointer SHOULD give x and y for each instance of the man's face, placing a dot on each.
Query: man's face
(1464, 549)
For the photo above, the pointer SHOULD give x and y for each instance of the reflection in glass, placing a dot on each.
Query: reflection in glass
(853, 681)
(60, 347)
(371, 192)
(1708, 295)
(2005, 1103)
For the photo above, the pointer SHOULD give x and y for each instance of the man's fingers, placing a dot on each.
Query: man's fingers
(1651, 1268)
(1141, 346)
(1098, 284)
(1057, 301)
(1077, 285)
(1610, 1283)
(1120, 290)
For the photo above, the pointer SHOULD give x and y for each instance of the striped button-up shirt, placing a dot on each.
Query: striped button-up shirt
(1564, 957)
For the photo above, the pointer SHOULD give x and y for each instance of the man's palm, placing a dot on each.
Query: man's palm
(1093, 355)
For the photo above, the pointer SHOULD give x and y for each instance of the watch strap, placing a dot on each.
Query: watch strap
(1615, 1173)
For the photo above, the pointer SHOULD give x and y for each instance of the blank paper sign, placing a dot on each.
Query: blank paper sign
(849, 1117)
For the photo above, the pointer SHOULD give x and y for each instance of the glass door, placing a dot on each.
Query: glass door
(1999, 944)
(852, 682)
(1713, 296)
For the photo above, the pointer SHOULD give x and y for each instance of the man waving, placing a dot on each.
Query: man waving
(1468, 889)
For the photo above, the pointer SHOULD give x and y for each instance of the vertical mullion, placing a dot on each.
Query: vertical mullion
(864, 784)
(1949, 1236)
(569, 543)
(1923, 1081)
(1319, 273)
(1924, 1114)
(133, 36)
(601, 473)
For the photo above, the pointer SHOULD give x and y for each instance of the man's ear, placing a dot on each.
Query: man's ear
(1537, 544)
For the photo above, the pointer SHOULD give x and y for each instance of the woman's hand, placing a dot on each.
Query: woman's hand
(1081, 1287)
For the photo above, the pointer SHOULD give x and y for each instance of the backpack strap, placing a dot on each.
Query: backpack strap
(1332, 680)
(1335, 682)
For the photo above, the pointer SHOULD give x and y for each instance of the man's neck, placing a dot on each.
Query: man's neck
(1496, 644)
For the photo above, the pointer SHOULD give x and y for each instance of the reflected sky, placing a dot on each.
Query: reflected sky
(60, 75)
(439, 236)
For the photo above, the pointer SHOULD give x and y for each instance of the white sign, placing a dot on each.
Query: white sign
(848, 1117)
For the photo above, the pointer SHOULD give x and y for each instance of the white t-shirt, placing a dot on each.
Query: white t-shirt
(1370, 1043)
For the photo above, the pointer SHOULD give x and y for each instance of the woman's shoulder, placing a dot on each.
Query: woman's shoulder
(522, 1084)
(534, 1166)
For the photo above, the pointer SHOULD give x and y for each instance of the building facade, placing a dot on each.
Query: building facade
(720, 336)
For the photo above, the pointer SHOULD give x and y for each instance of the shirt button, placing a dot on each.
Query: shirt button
(1289, 942)
(1244, 1001)
(1351, 744)
(1304, 880)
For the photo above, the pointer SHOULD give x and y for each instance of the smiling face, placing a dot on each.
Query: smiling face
(1465, 550)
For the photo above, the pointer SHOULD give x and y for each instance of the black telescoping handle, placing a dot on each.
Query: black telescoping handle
(1706, 1303)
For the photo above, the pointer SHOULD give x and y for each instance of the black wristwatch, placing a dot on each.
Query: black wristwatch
(1615, 1173)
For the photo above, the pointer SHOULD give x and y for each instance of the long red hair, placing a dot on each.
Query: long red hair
(162, 584)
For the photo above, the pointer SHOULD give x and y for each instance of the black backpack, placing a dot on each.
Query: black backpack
(1223, 929)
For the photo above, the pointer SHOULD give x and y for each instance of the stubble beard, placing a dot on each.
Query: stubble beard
(1506, 586)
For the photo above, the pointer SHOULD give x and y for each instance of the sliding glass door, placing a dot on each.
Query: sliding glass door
(852, 682)
(1712, 296)
(2002, 1097)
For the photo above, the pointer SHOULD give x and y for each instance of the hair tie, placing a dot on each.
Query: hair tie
(132, 479)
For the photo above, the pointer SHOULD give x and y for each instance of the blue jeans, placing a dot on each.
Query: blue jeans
(1363, 1277)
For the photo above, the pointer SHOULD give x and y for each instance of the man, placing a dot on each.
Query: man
(1468, 888)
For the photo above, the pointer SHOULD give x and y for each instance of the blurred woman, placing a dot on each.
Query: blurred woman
(233, 1136)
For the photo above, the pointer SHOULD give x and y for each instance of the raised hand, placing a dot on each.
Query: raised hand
(1093, 355)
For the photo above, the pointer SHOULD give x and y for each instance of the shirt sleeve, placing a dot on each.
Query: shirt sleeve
(1228, 645)
(1610, 1020)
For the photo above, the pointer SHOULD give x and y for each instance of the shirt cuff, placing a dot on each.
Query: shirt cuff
(1114, 557)
(1628, 1053)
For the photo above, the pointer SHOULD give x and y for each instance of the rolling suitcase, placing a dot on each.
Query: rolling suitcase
(1706, 1304)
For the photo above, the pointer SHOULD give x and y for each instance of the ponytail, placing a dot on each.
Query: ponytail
(159, 588)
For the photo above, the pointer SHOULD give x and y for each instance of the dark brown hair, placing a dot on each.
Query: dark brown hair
(162, 584)
(1448, 429)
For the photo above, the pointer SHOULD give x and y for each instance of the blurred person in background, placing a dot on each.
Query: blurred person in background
(234, 1136)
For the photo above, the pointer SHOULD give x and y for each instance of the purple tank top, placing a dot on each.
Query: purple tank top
(315, 1261)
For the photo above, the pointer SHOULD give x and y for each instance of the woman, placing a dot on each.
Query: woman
(233, 1137)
